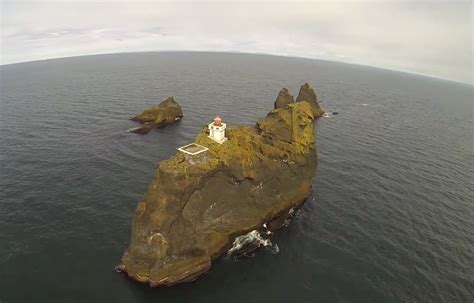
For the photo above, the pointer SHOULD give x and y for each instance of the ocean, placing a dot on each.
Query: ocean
(390, 218)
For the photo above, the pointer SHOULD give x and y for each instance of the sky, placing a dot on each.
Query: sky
(433, 38)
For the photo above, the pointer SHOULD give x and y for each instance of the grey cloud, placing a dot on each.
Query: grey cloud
(434, 39)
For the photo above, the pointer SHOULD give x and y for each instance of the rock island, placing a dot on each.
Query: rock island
(230, 182)
(165, 113)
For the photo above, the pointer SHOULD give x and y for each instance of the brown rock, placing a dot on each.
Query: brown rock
(307, 94)
(193, 210)
(167, 112)
(283, 99)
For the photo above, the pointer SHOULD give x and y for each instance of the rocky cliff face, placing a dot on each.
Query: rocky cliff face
(167, 112)
(307, 94)
(283, 99)
(195, 209)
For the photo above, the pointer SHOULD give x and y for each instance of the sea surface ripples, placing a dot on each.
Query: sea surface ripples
(390, 218)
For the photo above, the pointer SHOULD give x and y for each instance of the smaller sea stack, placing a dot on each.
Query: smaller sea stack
(307, 93)
(167, 112)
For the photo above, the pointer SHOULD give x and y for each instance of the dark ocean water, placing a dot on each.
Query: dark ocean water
(391, 217)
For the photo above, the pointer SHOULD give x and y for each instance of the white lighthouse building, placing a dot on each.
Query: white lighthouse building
(217, 130)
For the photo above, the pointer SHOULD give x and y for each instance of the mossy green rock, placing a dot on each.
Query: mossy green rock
(193, 210)
(167, 112)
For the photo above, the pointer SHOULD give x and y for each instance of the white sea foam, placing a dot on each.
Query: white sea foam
(132, 129)
(291, 213)
(252, 240)
(274, 249)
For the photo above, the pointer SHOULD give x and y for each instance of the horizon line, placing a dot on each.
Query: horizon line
(248, 53)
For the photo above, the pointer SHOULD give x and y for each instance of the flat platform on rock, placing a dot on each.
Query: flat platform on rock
(193, 149)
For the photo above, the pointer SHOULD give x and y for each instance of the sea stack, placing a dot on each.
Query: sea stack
(307, 93)
(213, 191)
(283, 99)
(167, 112)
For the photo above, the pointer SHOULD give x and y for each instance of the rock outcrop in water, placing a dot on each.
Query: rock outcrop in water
(194, 209)
(167, 112)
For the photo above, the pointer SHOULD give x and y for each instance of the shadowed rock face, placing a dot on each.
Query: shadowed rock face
(193, 210)
(283, 99)
(167, 112)
(307, 94)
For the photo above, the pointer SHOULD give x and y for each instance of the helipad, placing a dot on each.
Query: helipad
(193, 149)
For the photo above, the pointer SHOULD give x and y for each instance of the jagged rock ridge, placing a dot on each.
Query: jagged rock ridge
(306, 93)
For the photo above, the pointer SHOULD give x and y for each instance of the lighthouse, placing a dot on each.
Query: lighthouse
(217, 130)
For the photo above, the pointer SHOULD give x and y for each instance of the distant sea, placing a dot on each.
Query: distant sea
(390, 218)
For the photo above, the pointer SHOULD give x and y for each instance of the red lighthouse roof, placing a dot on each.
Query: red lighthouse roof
(217, 121)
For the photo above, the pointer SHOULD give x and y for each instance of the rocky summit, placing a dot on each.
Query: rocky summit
(167, 112)
(307, 93)
(283, 99)
(198, 205)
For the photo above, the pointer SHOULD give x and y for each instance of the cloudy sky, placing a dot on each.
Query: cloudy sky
(425, 37)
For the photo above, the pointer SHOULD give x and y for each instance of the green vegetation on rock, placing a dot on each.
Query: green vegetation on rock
(195, 208)
(167, 112)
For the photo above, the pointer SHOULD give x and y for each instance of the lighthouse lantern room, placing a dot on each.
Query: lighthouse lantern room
(217, 130)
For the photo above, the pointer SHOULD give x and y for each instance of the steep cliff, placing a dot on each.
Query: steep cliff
(307, 93)
(195, 208)
(283, 99)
